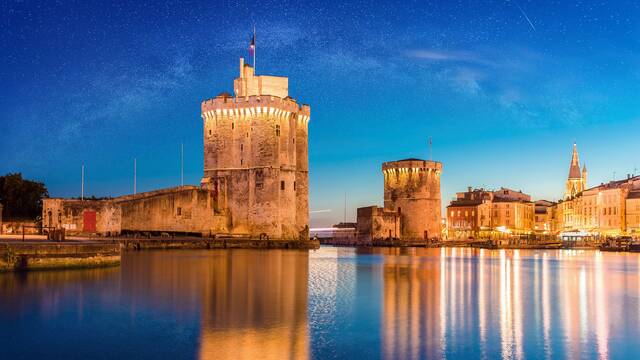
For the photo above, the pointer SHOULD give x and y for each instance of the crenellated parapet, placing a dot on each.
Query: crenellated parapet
(252, 106)
(411, 166)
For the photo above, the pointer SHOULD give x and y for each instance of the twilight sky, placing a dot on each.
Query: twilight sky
(503, 87)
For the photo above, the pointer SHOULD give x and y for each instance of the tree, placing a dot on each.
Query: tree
(21, 199)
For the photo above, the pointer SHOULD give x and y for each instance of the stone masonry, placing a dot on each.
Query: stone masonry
(255, 157)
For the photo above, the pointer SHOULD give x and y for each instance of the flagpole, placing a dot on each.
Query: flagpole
(82, 189)
(254, 50)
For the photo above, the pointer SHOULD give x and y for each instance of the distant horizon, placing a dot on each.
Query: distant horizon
(503, 89)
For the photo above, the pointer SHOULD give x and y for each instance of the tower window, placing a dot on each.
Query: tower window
(277, 130)
(240, 161)
(294, 185)
(282, 185)
(241, 147)
(233, 126)
(209, 132)
(179, 211)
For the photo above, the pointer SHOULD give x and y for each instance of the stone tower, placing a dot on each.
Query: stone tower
(412, 189)
(255, 157)
(577, 180)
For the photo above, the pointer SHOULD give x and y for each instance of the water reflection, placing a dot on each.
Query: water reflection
(509, 304)
(252, 304)
(331, 303)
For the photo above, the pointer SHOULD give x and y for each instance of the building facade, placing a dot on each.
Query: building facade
(592, 214)
(482, 214)
(606, 210)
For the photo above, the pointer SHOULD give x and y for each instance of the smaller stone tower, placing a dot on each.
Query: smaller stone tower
(412, 189)
(577, 180)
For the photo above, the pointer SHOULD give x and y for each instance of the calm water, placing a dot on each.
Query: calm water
(330, 303)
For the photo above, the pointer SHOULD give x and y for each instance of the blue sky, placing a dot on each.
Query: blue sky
(502, 87)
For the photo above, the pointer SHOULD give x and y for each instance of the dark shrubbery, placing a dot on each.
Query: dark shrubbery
(21, 198)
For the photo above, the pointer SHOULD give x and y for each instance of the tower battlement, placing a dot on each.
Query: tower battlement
(254, 105)
(411, 165)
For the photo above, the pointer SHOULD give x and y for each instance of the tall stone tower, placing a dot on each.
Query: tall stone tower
(255, 157)
(577, 180)
(412, 188)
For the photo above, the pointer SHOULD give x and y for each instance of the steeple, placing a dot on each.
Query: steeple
(574, 168)
(577, 181)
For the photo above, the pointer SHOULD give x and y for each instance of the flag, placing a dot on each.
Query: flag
(252, 45)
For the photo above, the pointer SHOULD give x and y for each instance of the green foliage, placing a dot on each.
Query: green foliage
(21, 198)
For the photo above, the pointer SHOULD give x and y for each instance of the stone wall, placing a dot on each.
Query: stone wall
(376, 223)
(186, 209)
(71, 214)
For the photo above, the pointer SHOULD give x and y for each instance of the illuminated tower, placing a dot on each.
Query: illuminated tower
(255, 157)
(577, 181)
(412, 188)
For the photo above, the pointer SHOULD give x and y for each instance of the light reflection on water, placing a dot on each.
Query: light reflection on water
(332, 303)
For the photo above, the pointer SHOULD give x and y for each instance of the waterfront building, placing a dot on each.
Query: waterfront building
(632, 205)
(255, 181)
(469, 215)
(544, 217)
(607, 210)
(591, 214)
(490, 214)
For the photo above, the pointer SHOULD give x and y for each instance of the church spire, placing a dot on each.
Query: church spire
(574, 168)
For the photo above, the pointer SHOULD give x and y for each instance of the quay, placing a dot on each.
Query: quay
(477, 243)
(213, 243)
(38, 255)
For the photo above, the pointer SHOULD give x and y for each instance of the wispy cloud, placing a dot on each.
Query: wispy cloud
(463, 79)
(442, 55)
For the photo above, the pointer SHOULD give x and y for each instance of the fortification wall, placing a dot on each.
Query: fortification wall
(82, 216)
(376, 223)
(184, 209)
(412, 188)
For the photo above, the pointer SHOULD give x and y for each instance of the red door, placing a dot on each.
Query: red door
(89, 223)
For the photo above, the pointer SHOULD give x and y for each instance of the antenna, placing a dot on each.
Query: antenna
(82, 187)
(181, 164)
(345, 207)
(134, 175)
